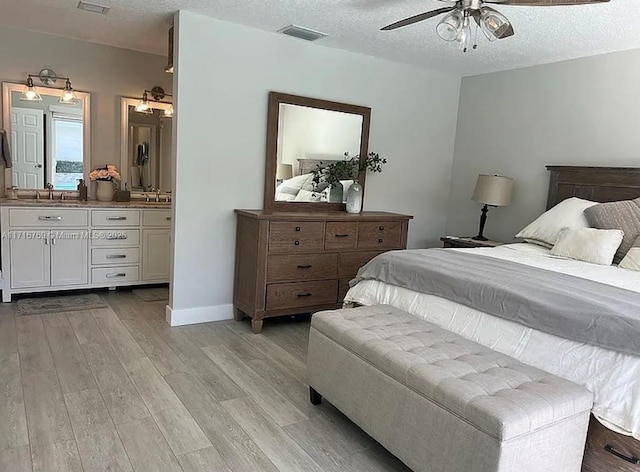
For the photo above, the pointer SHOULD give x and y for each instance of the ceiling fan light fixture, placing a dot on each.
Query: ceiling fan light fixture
(451, 26)
(494, 24)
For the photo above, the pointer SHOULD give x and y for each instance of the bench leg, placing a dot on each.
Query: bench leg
(314, 397)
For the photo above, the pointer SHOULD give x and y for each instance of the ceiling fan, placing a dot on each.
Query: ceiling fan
(456, 25)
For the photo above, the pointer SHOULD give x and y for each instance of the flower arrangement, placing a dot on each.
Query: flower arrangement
(347, 169)
(107, 173)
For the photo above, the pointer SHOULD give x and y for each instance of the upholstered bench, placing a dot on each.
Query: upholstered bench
(442, 403)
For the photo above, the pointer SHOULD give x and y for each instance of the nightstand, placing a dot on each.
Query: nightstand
(458, 242)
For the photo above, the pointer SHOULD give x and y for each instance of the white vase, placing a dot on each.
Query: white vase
(354, 198)
(104, 193)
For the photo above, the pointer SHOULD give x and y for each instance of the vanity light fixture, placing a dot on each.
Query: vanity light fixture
(68, 96)
(30, 94)
(145, 105)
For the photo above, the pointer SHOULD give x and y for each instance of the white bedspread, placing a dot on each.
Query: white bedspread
(614, 378)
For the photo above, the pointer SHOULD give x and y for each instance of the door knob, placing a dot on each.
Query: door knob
(39, 166)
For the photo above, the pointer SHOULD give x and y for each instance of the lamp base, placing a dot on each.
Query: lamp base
(480, 238)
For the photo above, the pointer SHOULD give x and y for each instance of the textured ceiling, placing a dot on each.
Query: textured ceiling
(543, 34)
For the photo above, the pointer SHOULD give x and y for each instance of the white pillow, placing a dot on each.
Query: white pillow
(632, 259)
(566, 214)
(589, 244)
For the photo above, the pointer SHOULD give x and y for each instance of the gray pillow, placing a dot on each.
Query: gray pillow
(624, 215)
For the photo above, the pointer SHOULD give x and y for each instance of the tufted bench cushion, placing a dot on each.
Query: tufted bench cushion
(467, 383)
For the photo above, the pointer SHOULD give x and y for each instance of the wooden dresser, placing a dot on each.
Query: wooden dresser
(301, 262)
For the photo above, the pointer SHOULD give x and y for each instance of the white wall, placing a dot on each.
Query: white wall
(579, 112)
(107, 72)
(221, 140)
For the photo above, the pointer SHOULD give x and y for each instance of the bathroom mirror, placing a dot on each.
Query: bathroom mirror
(302, 134)
(49, 141)
(146, 146)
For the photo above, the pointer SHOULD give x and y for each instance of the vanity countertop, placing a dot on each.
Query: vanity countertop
(32, 202)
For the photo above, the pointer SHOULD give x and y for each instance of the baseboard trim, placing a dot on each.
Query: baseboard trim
(202, 314)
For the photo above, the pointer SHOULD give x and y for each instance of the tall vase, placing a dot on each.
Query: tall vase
(354, 198)
(335, 193)
(105, 190)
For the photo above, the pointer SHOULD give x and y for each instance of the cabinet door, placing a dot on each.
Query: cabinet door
(156, 256)
(30, 259)
(69, 258)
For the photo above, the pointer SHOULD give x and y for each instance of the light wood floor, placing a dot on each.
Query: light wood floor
(117, 389)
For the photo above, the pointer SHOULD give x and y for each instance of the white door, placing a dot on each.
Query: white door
(30, 259)
(69, 258)
(156, 247)
(27, 147)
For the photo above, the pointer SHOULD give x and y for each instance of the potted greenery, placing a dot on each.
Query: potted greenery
(349, 168)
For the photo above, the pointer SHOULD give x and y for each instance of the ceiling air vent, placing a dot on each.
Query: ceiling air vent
(302, 33)
(93, 7)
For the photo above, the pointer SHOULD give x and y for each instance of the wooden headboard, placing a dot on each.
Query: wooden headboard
(599, 184)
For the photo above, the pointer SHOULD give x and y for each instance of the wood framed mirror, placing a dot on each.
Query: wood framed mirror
(302, 134)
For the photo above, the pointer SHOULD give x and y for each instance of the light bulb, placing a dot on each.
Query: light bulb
(494, 25)
(68, 96)
(168, 111)
(450, 26)
(143, 105)
(30, 94)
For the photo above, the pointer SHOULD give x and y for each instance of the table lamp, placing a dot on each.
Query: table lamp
(492, 190)
(284, 172)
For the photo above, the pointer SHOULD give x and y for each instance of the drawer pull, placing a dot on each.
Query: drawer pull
(298, 228)
(116, 218)
(304, 294)
(168, 218)
(342, 235)
(116, 256)
(114, 238)
(118, 274)
(380, 240)
(381, 228)
(611, 450)
(306, 266)
(50, 218)
(297, 243)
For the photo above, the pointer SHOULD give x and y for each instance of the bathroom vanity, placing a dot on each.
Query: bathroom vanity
(66, 245)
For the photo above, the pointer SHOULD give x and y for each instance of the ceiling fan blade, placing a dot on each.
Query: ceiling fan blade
(417, 18)
(545, 3)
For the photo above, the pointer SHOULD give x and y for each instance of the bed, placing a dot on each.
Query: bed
(614, 377)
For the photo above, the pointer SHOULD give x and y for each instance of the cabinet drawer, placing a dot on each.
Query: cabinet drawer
(286, 268)
(114, 275)
(157, 218)
(113, 256)
(47, 217)
(115, 237)
(115, 217)
(301, 236)
(341, 235)
(385, 234)
(598, 459)
(301, 294)
(350, 262)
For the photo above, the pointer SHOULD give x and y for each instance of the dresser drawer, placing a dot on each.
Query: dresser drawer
(350, 262)
(114, 275)
(601, 443)
(115, 218)
(113, 256)
(301, 294)
(157, 218)
(116, 237)
(386, 234)
(47, 217)
(286, 268)
(302, 236)
(341, 235)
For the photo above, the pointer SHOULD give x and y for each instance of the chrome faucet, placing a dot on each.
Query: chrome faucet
(158, 196)
(50, 189)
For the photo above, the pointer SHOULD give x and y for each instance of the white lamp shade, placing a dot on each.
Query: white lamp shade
(284, 172)
(494, 190)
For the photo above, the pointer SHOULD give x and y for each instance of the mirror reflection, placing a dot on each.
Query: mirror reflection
(311, 137)
(47, 141)
(147, 143)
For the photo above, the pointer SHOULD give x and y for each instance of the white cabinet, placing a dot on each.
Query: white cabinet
(156, 254)
(30, 259)
(48, 258)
